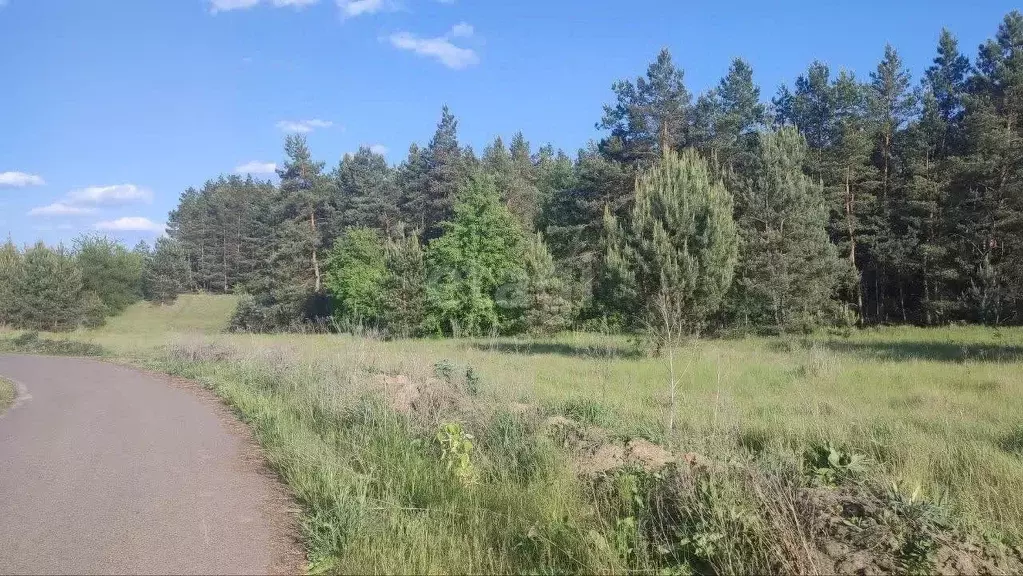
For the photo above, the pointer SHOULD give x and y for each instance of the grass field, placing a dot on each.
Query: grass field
(888, 450)
(7, 392)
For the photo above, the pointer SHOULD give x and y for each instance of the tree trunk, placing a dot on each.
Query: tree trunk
(850, 203)
(316, 263)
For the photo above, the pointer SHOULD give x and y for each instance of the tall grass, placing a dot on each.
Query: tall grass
(7, 393)
(936, 414)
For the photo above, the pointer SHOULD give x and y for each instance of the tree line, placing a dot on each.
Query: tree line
(57, 289)
(841, 200)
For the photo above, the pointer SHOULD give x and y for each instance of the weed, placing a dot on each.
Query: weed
(456, 450)
(472, 381)
(445, 370)
(831, 466)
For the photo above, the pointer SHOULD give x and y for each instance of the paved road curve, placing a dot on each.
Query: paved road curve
(104, 469)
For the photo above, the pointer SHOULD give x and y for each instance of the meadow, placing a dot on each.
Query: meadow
(881, 450)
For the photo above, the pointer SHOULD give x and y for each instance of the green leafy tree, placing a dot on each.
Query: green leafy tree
(111, 272)
(478, 253)
(356, 270)
(788, 269)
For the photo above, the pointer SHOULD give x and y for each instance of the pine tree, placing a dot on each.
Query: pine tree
(928, 147)
(11, 270)
(412, 184)
(788, 269)
(988, 188)
(891, 105)
(726, 119)
(306, 212)
(547, 308)
(404, 286)
(49, 290)
(649, 116)
(672, 263)
(445, 169)
(367, 193)
(478, 253)
(166, 271)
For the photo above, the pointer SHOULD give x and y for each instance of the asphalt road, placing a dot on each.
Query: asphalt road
(105, 469)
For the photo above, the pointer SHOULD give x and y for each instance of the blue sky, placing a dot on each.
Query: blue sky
(109, 109)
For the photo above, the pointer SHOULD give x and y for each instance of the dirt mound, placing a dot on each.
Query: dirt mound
(863, 531)
(426, 398)
(596, 453)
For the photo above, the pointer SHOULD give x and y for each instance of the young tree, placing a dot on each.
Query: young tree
(356, 269)
(788, 269)
(111, 272)
(165, 271)
(49, 289)
(478, 253)
(11, 270)
(404, 286)
(547, 308)
(674, 260)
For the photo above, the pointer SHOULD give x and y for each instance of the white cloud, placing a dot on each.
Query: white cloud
(353, 8)
(441, 48)
(117, 195)
(378, 149)
(462, 30)
(255, 167)
(228, 5)
(60, 209)
(303, 126)
(19, 179)
(131, 224)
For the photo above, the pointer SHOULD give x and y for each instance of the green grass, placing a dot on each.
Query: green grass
(936, 413)
(189, 314)
(7, 394)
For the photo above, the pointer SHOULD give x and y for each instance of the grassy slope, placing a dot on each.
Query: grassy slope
(190, 314)
(938, 409)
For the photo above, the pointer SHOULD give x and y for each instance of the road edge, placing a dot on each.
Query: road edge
(281, 510)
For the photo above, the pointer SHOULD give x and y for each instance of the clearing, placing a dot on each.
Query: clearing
(882, 450)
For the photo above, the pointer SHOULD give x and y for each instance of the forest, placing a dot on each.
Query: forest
(839, 201)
